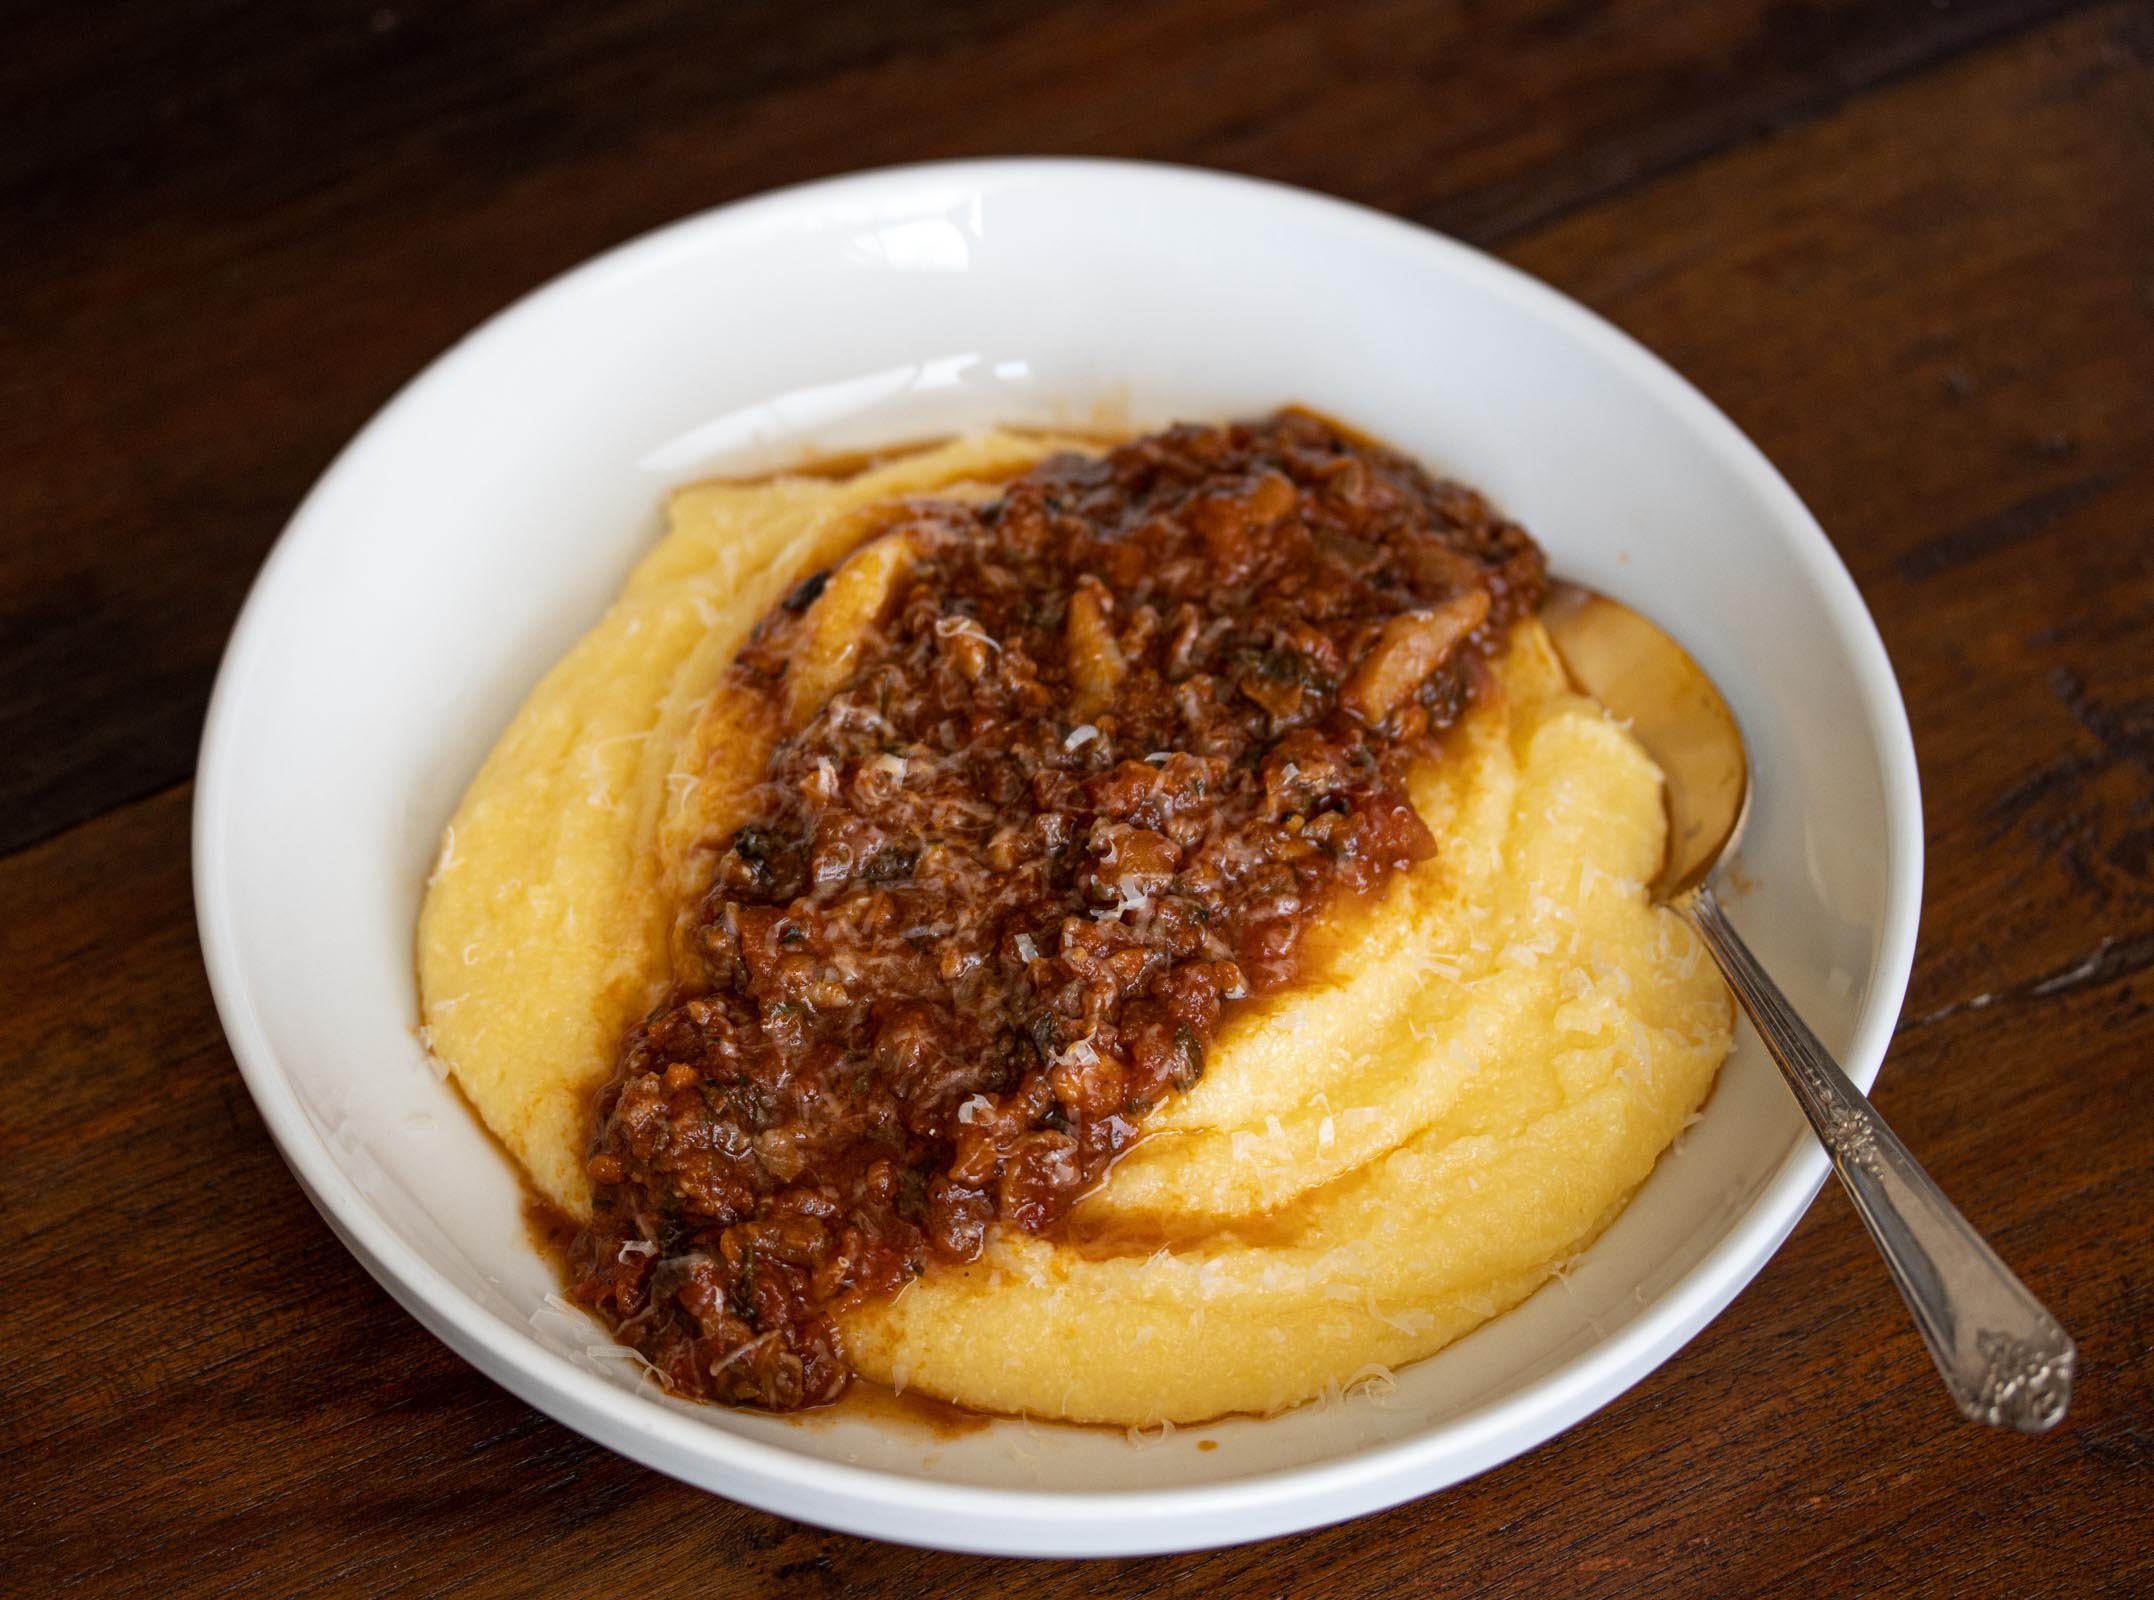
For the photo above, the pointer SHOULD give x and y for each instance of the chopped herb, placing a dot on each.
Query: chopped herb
(1191, 1068)
(912, 1193)
(747, 1305)
(891, 864)
(1043, 1033)
(806, 592)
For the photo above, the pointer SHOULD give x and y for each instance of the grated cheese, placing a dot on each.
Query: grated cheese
(1411, 1322)
(1375, 1383)
(445, 858)
(1080, 1054)
(1144, 1441)
(963, 627)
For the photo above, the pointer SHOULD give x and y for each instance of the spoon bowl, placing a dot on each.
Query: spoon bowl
(1674, 710)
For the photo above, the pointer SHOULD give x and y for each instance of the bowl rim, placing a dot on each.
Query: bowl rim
(850, 1496)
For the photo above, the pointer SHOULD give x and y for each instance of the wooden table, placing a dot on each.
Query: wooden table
(1908, 247)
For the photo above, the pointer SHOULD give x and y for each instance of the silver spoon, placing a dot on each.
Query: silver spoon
(2005, 1359)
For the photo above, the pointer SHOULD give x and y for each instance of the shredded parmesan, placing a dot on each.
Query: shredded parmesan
(1080, 736)
(1130, 900)
(1375, 1383)
(1080, 1054)
(1412, 1323)
(434, 1064)
(446, 858)
(963, 627)
(1144, 1441)
(749, 1349)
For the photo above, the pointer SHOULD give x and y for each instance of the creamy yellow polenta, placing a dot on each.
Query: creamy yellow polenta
(1498, 1051)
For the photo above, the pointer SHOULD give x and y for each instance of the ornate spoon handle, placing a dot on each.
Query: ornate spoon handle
(2003, 1356)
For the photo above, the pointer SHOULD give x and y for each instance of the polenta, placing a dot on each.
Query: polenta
(1121, 939)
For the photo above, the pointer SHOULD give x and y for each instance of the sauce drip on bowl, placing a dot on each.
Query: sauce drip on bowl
(1099, 751)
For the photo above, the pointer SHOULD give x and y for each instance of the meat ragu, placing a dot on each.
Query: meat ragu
(1103, 748)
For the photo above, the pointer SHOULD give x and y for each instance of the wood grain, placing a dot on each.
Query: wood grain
(1931, 302)
(230, 231)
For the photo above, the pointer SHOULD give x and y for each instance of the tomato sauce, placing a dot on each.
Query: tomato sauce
(1118, 737)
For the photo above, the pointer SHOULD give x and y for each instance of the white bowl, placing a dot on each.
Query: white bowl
(485, 517)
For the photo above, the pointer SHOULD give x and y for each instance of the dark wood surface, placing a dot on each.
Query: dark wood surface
(1909, 248)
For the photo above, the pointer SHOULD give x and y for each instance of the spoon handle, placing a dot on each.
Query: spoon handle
(2003, 1356)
